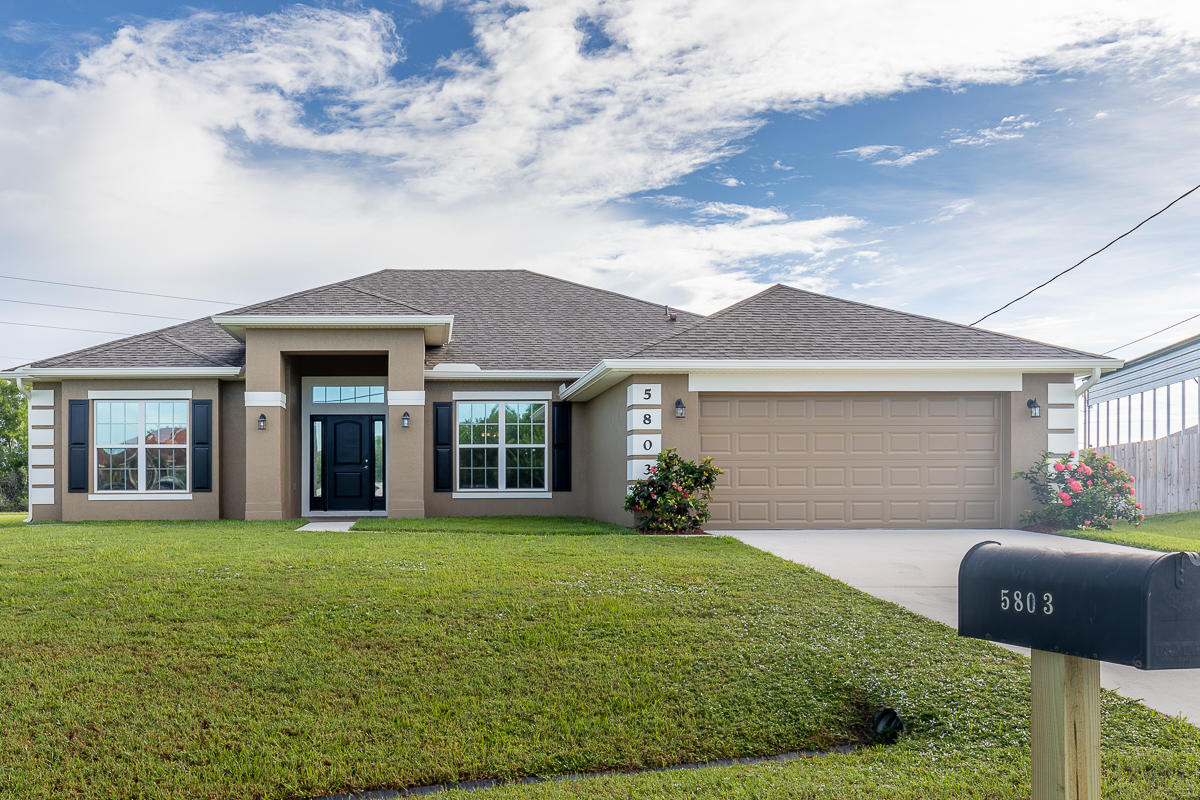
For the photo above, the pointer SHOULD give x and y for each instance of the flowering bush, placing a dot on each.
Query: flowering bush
(673, 498)
(1091, 492)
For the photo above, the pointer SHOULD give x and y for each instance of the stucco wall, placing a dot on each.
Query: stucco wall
(49, 511)
(608, 439)
(1028, 438)
(76, 506)
(443, 504)
(232, 412)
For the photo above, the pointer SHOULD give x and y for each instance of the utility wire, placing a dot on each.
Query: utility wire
(1156, 333)
(1085, 258)
(82, 308)
(122, 291)
(61, 328)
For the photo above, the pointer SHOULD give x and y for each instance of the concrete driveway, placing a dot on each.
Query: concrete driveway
(919, 570)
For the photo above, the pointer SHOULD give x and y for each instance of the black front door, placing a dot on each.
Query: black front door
(344, 464)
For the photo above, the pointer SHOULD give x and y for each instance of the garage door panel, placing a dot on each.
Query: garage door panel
(855, 460)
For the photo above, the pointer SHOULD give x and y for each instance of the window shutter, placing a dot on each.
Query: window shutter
(443, 444)
(561, 454)
(77, 445)
(202, 445)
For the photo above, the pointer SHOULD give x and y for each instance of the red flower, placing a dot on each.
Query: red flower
(1059, 467)
(1089, 483)
(1137, 505)
(1067, 502)
(1075, 486)
(1064, 497)
(1087, 522)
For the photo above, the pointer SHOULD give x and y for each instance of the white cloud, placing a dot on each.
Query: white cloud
(182, 153)
(730, 182)
(908, 159)
(1011, 127)
(869, 151)
(951, 210)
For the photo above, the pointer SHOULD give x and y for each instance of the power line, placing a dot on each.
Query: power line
(122, 291)
(1156, 333)
(61, 328)
(1085, 258)
(82, 308)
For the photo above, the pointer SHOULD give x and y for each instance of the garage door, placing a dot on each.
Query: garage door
(857, 460)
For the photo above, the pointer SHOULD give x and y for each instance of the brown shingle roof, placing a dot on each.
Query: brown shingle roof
(516, 319)
(784, 322)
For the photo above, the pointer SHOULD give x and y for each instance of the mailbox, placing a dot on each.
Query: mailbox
(1133, 607)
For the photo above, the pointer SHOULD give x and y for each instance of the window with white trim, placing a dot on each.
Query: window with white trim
(501, 445)
(141, 445)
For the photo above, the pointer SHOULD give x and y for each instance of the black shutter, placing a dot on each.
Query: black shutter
(443, 444)
(202, 445)
(560, 458)
(77, 446)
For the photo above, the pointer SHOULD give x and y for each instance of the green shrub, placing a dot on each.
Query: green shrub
(674, 497)
(1091, 492)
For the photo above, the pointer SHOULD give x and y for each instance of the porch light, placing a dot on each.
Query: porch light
(680, 409)
(404, 420)
(262, 422)
(1035, 410)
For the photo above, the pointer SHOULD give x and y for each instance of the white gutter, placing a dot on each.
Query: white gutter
(437, 374)
(76, 373)
(1089, 383)
(439, 328)
(28, 395)
(611, 371)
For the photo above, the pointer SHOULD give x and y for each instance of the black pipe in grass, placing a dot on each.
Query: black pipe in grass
(492, 783)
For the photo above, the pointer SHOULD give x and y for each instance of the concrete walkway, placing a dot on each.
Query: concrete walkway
(919, 570)
(328, 525)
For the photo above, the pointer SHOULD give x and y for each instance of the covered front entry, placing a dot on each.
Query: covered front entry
(347, 462)
(854, 460)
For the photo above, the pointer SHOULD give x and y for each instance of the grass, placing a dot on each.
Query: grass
(224, 660)
(499, 524)
(1167, 532)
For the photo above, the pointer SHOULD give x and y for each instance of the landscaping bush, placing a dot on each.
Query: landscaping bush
(1088, 492)
(674, 497)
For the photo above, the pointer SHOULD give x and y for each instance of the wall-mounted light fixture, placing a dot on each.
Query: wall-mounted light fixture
(680, 409)
(1035, 410)
(262, 422)
(404, 418)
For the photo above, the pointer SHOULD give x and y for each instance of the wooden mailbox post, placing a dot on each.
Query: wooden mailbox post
(1076, 609)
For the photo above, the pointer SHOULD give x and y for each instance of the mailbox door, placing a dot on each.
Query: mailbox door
(1173, 611)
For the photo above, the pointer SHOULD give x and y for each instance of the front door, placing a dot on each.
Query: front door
(346, 462)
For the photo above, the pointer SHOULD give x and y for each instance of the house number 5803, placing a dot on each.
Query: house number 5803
(1026, 602)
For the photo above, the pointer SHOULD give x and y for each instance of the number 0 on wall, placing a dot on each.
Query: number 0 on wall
(644, 444)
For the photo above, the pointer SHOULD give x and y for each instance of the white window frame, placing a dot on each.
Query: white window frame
(142, 448)
(502, 491)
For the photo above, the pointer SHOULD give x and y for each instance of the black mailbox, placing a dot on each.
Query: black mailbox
(1135, 607)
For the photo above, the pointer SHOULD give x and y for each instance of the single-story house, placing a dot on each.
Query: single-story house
(412, 393)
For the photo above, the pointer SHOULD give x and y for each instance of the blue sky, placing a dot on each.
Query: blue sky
(939, 159)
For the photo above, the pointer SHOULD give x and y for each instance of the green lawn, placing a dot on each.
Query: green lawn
(231, 660)
(501, 524)
(1169, 532)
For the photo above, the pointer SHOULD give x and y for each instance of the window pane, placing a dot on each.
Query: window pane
(116, 469)
(478, 423)
(318, 459)
(525, 468)
(478, 468)
(166, 469)
(378, 459)
(166, 422)
(525, 423)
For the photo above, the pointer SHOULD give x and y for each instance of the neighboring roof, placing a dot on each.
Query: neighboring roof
(784, 322)
(1176, 362)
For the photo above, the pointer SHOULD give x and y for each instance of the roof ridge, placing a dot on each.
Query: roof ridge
(106, 346)
(703, 320)
(380, 296)
(605, 291)
(986, 331)
(191, 350)
(301, 293)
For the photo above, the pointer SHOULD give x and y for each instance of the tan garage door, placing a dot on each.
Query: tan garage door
(858, 460)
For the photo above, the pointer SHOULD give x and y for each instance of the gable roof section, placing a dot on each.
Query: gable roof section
(783, 322)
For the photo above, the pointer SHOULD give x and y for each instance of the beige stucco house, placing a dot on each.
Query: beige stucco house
(413, 393)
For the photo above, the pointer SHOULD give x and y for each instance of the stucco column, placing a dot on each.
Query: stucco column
(265, 451)
(406, 455)
(1028, 437)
